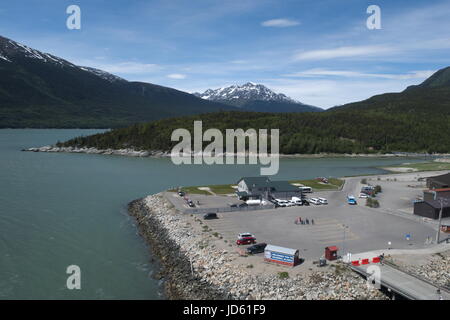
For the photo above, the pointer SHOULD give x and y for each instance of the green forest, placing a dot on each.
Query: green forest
(340, 131)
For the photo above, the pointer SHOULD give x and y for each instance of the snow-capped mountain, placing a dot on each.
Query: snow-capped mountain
(12, 51)
(255, 97)
(103, 74)
(41, 90)
(248, 91)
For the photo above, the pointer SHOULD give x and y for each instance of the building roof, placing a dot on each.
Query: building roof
(255, 181)
(437, 204)
(443, 179)
(283, 186)
(273, 248)
(439, 190)
(265, 182)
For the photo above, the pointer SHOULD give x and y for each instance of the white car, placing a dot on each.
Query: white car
(363, 195)
(323, 201)
(314, 201)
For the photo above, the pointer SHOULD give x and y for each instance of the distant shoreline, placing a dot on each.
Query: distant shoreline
(166, 154)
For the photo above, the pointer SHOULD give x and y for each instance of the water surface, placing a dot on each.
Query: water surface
(60, 209)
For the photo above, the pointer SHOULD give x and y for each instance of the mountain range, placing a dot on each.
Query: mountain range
(41, 90)
(255, 97)
(415, 120)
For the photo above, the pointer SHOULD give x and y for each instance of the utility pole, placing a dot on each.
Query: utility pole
(343, 241)
(438, 233)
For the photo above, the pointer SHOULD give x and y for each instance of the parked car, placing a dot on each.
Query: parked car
(305, 202)
(363, 195)
(191, 204)
(290, 203)
(297, 201)
(323, 201)
(181, 193)
(256, 248)
(245, 238)
(281, 203)
(315, 201)
(243, 241)
(210, 215)
(351, 200)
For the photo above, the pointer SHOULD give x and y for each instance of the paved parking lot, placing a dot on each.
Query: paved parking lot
(364, 229)
(353, 229)
(201, 201)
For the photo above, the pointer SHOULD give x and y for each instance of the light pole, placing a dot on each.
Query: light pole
(438, 233)
(343, 241)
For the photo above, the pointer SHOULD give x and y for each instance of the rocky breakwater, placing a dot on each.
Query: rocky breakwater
(119, 152)
(436, 270)
(194, 267)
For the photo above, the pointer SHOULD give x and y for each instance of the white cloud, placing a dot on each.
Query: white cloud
(420, 74)
(128, 67)
(177, 76)
(327, 93)
(280, 23)
(343, 52)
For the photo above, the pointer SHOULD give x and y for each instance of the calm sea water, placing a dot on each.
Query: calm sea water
(61, 209)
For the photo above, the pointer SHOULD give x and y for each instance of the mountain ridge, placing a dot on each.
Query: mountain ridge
(255, 97)
(40, 90)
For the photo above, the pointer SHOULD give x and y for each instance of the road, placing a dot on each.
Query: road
(405, 284)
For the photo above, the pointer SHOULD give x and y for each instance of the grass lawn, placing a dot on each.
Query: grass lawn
(424, 166)
(220, 189)
(217, 189)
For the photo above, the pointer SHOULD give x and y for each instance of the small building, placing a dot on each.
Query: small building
(439, 182)
(331, 253)
(264, 188)
(252, 187)
(280, 255)
(434, 194)
(430, 209)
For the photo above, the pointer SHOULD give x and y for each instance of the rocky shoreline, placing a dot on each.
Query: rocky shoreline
(193, 267)
(119, 152)
(164, 154)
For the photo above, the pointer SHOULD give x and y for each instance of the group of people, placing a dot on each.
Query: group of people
(299, 220)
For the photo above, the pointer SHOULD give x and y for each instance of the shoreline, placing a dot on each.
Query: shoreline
(217, 273)
(166, 154)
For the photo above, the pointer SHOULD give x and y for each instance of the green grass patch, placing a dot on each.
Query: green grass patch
(217, 189)
(423, 166)
(283, 275)
(222, 188)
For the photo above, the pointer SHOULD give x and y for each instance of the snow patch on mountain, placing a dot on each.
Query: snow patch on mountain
(247, 92)
(103, 74)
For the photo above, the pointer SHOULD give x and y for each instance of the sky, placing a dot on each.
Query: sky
(318, 52)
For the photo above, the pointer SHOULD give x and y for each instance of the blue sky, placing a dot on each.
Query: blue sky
(318, 52)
